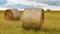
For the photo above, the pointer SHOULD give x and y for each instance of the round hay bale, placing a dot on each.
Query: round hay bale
(12, 14)
(33, 18)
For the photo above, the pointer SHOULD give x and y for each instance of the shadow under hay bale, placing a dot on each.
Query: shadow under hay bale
(33, 18)
(12, 14)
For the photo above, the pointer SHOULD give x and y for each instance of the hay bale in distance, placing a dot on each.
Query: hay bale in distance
(33, 18)
(12, 14)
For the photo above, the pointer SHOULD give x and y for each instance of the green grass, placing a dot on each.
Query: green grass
(51, 25)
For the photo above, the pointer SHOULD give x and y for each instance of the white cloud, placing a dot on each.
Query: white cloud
(24, 2)
(8, 8)
(3, 8)
(32, 3)
(27, 3)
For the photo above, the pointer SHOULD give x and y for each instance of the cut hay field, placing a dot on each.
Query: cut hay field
(51, 25)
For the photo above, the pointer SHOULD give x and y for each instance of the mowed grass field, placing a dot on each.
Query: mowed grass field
(51, 25)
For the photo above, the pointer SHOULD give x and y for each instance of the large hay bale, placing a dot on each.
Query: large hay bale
(12, 14)
(33, 18)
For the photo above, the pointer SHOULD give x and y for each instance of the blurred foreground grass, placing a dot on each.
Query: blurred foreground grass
(51, 25)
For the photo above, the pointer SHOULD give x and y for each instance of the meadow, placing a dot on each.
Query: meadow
(51, 24)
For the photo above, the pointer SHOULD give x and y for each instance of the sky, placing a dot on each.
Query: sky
(22, 4)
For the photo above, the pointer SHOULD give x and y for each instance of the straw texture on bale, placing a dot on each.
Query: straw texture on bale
(33, 18)
(12, 14)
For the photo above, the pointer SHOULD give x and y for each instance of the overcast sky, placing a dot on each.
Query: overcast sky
(21, 4)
